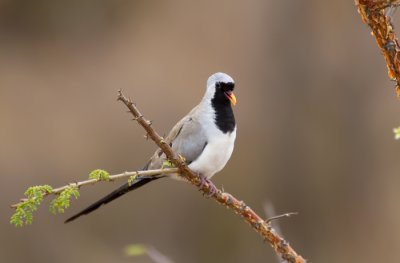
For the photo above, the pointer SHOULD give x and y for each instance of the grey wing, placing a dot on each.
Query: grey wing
(187, 138)
(190, 141)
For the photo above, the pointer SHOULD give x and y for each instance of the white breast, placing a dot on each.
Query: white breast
(216, 154)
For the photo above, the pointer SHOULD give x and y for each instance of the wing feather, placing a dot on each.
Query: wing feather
(186, 138)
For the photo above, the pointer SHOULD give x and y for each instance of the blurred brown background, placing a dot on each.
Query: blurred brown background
(315, 115)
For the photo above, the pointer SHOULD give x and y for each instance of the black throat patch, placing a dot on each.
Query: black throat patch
(224, 118)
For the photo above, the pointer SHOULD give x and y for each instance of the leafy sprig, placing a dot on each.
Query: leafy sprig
(99, 175)
(24, 211)
(62, 201)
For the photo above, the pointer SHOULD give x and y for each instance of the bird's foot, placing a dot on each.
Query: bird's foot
(211, 186)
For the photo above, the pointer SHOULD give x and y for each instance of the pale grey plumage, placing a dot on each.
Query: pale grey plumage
(186, 138)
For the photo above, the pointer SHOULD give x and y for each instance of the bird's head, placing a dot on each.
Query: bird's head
(220, 87)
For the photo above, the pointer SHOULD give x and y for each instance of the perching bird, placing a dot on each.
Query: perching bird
(205, 138)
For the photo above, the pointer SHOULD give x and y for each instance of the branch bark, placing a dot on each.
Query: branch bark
(374, 14)
(264, 229)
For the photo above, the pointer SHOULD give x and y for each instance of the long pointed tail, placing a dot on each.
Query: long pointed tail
(123, 189)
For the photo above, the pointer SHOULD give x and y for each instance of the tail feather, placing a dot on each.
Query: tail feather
(123, 189)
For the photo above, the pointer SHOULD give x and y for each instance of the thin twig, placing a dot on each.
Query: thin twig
(269, 220)
(157, 256)
(137, 174)
(374, 15)
(280, 246)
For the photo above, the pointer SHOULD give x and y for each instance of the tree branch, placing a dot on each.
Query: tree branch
(281, 247)
(135, 174)
(374, 15)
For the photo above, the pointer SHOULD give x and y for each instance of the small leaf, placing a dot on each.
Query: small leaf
(62, 201)
(131, 179)
(135, 250)
(396, 132)
(24, 211)
(100, 175)
(167, 164)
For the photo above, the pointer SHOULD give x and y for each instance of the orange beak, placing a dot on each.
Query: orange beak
(231, 97)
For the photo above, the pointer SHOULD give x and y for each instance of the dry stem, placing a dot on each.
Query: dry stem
(373, 13)
(282, 247)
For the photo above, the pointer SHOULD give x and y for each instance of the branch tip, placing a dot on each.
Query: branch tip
(120, 96)
(269, 220)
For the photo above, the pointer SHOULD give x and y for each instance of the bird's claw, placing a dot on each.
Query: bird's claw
(211, 186)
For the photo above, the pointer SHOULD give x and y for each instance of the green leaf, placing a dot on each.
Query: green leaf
(167, 164)
(396, 132)
(135, 250)
(62, 201)
(38, 191)
(131, 179)
(24, 211)
(99, 175)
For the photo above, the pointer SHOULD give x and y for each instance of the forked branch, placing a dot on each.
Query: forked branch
(263, 228)
(35, 194)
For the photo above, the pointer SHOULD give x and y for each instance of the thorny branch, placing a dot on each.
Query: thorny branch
(281, 246)
(374, 14)
(136, 174)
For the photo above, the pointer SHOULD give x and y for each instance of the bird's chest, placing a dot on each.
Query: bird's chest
(216, 154)
(220, 152)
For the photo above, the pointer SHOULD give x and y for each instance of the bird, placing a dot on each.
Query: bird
(205, 138)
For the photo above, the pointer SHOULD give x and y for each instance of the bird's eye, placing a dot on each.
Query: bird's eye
(218, 85)
(229, 86)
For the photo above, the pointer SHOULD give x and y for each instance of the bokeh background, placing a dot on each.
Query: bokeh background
(315, 116)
